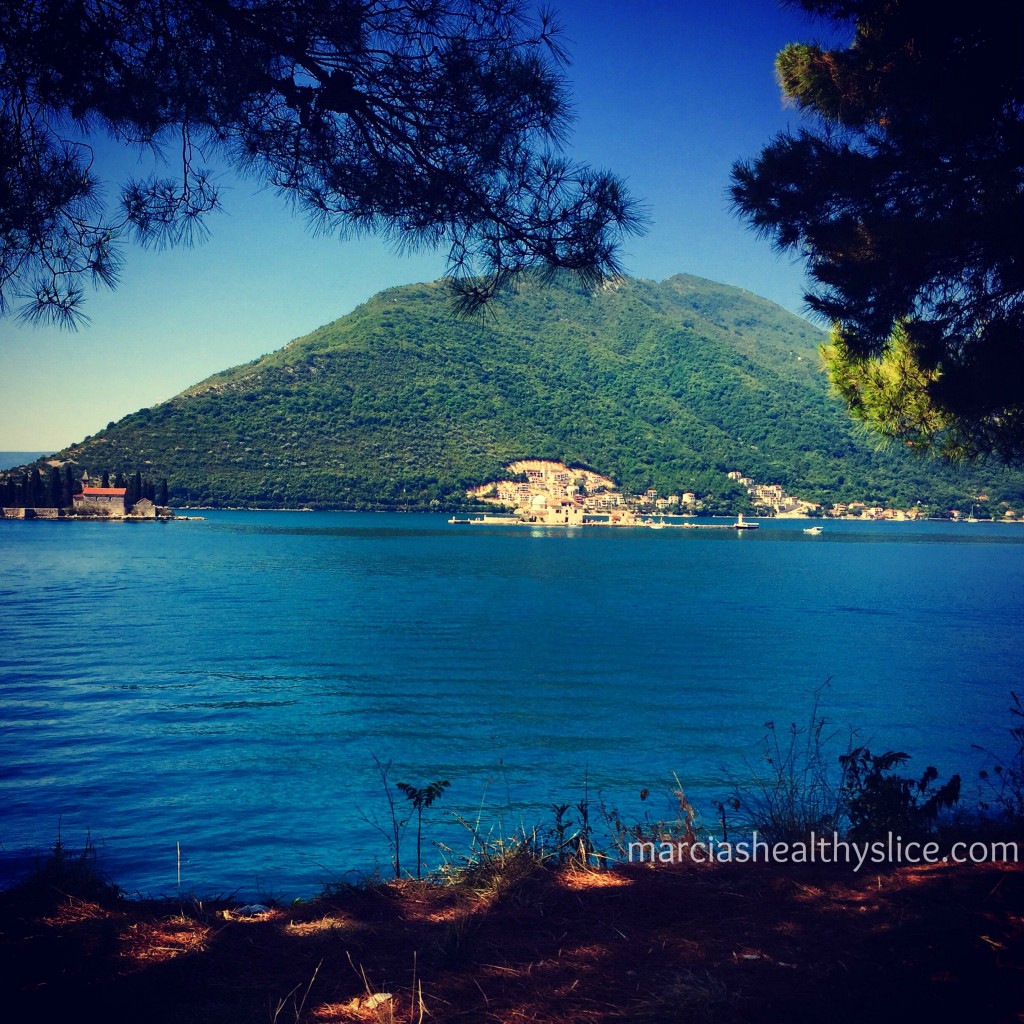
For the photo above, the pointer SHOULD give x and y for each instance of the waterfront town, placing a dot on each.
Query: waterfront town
(558, 491)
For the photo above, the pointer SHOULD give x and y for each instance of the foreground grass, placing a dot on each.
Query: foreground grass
(726, 943)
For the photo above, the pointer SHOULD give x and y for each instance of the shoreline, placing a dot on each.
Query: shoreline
(489, 518)
(52, 515)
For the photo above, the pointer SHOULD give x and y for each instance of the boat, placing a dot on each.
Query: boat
(813, 530)
(653, 525)
(741, 525)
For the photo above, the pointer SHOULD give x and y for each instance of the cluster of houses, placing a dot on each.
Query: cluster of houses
(552, 490)
(539, 483)
(773, 497)
(564, 493)
(556, 483)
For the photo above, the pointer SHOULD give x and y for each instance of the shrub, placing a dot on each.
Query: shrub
(66, 872)
(799, 793)
(1003, 782)
(878, 801)
(677, 834)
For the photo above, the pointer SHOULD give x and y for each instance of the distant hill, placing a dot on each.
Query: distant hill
(400, 403)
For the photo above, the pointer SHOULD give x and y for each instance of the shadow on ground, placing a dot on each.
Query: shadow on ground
(727, 943)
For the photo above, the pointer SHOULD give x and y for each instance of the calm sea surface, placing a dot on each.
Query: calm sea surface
(225, 684)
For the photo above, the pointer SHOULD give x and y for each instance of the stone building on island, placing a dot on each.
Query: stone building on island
(25, 495)
(111, 500)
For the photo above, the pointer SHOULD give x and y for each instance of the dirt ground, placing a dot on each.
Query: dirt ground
(724, 943)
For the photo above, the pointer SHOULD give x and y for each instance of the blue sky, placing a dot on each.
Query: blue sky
(667, 94)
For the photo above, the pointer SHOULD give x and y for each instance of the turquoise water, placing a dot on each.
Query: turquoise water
(225, 684)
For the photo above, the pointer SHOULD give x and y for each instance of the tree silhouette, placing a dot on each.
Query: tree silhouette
(431, 122)
(54, 488)
(34, 495)
(422, 799)
(904, 193)
(71, 485)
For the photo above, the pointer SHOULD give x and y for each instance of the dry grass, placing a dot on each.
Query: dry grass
(726, 944)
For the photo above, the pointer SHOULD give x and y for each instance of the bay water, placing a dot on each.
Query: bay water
(229, 687)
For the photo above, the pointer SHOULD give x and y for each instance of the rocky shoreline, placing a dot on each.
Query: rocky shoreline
(158, 515)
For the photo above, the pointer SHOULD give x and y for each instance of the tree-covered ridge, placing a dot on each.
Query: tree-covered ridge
(400, 403)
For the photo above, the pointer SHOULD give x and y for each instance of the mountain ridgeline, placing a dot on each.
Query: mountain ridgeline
(402, 404)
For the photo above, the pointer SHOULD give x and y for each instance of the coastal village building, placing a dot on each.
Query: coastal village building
(547, 492)
(564, 514)
(143, 509)
(556, 482)
(112, 500)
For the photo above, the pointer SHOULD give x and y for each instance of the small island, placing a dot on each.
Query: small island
(544, 492)
(64, 496)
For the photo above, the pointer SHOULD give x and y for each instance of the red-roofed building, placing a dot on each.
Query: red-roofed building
(110, 498)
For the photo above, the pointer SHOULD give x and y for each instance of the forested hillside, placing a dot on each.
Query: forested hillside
(401, 403)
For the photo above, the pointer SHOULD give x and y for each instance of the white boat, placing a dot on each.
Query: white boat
(813, 530)
(741, 525)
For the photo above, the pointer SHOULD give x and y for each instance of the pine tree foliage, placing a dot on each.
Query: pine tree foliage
(432, 122)
(904, 193)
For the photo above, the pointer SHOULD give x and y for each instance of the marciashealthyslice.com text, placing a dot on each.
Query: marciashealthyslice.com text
(826, 849)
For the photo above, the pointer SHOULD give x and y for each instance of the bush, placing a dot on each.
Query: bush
(66, 872)
(676, 835)
(799, 793)
(878, 801)
(1003, 782)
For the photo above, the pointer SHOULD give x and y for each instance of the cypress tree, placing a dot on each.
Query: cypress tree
(105, 481)
(161, 494)
(34, 489)
(135, 488)
(55, 489)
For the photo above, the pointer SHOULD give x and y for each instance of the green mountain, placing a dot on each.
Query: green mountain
(401, 403)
